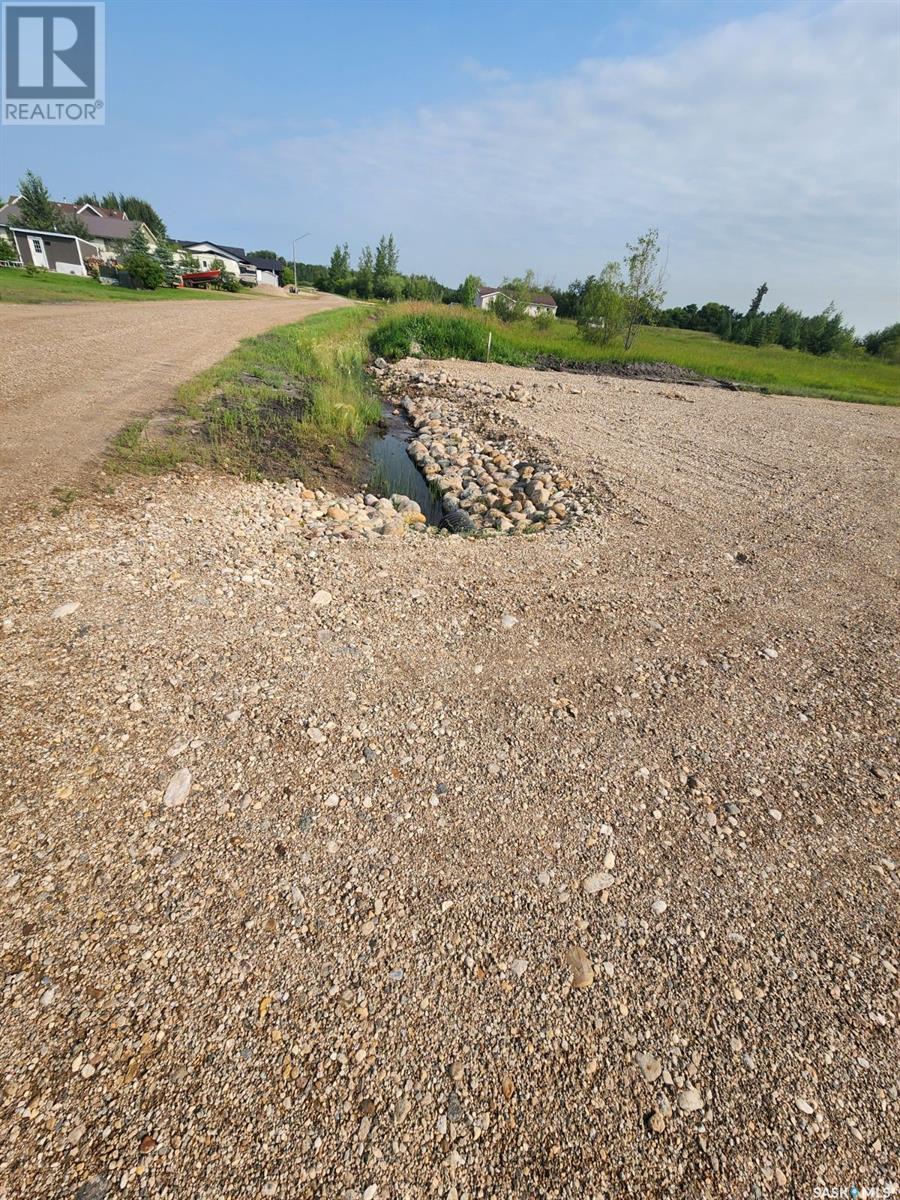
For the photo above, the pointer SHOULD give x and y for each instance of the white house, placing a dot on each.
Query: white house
(541, 302)
(232, 258)
(248, 268)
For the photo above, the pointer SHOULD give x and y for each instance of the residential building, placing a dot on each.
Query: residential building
(233, 258)
(269, 271)
(108, 229)
(540, 302)
(250, 269)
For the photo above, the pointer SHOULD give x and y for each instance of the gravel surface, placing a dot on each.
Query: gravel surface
(557, 865)
(71, 375)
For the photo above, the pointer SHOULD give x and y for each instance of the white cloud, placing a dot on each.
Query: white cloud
(471, 66)
(765, 149)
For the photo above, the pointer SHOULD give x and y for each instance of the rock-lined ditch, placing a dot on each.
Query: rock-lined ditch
(436, 468)
(484, 482)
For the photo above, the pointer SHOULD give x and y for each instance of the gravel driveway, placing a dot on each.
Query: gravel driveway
(71, 375)
(559, 865)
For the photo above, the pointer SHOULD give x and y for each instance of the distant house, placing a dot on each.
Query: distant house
(61, 252)
(248, 268)
(541, 302)
(108, 229)
(231, 257)
(269, 271)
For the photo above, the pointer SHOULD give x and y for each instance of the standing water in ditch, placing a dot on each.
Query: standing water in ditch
(393, 469)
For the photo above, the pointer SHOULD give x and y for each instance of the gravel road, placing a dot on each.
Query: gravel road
(71, 375)
(560, 865)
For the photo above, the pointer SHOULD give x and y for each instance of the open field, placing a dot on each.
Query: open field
(47, 287)
(71, 376)
(302, 840)
(789, 372)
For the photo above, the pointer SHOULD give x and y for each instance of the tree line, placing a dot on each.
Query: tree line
(38, 211)
(822, 333)
(376, 276)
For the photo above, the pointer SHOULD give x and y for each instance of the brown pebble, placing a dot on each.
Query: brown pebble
(582, 967)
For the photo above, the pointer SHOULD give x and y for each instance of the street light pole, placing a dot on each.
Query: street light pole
(294, 252)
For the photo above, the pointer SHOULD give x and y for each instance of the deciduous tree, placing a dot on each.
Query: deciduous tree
(601, 315)
(468, 290)
(643, 289)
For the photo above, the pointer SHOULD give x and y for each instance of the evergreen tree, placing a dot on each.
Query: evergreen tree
(166, 259)
(757, 300)
(36, 209)
(137, 242)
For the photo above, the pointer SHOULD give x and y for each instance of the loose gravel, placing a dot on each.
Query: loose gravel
(72, 375)
(449, 866)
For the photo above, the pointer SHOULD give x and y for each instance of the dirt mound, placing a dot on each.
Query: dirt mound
(652, 372)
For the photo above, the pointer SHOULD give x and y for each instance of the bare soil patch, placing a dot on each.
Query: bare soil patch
(652, 372)
(72, 375)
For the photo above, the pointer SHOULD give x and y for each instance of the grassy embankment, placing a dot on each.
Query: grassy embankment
(292, 402)
(17, 287)
(444, 332)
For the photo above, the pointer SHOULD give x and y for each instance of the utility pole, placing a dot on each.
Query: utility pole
(294, 252)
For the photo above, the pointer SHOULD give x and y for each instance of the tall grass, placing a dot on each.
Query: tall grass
(445, 332)
(273, 408)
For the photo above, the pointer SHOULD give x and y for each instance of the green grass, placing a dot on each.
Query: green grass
(65, 497)
(17, 287)
(289, 403)
(445, 332)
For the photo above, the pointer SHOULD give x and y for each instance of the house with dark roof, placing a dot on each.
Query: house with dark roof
(251, 269)
(269, 271)
(108, 229)
(540, 302)
(232, 258)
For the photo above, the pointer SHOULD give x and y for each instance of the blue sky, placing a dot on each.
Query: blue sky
(762, 139)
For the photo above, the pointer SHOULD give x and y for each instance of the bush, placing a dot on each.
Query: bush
(144, 270)
(7, 251)
(505, 309)
(602, 312)
(230, 283)
(440, 336)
